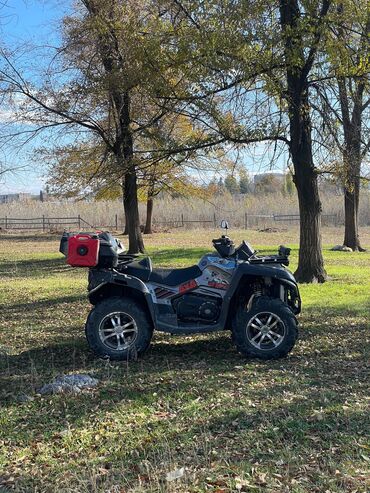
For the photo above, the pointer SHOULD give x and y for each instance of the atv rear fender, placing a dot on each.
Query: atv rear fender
(107, 283)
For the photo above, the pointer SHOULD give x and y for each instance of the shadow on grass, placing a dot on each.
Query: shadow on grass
(219, 401)
(211, 353)
(60, 357)
(33, 267)
(202, 371)
(242, 439)
(39, 306)
(38, 238)
(200, 346)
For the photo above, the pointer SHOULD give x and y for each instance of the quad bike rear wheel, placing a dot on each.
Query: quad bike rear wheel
(267, 331)
(118, 328)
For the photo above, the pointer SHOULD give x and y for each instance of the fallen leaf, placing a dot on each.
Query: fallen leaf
(175, 474)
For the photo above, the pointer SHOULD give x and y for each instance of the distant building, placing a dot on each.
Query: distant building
(14, 197)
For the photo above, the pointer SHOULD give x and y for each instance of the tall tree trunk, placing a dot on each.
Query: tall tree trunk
(149, 216)
(125, 231)
(351, 237)
(351, 205)
(130, 198)
(352, 129)
(149, 204)
(310, 262)
(310, 259)
(352, 90)
(131, 206)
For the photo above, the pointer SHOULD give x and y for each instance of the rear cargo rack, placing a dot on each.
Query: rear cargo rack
(271, 259)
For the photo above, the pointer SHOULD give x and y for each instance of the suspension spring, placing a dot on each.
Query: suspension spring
(257, 290)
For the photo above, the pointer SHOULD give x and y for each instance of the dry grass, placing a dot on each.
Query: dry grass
(103, 213)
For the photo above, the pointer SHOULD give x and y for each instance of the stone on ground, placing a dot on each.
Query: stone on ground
(72, 384)
(341, 248)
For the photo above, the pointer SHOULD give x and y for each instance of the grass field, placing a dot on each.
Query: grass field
(296, 425)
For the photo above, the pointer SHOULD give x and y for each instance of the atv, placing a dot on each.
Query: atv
(231, 288)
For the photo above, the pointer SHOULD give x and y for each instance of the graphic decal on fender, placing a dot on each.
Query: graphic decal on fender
(161, 293)
(217, 278)
(188, 285)
(218, 285)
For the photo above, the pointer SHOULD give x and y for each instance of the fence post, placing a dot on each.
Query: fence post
(43, 222)
(116, 222)
(79, 221)
(214, 220)
(245, 220)
(6, 222)
(182, 220)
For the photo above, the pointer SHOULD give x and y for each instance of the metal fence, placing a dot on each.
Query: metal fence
(43, 223)
(254, 220)
(181, 222)
(248, 221)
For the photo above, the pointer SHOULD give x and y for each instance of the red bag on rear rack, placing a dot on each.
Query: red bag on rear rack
(83, 250)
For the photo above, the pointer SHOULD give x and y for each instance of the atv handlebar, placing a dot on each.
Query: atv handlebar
(224, 246)
(245, 251)
(226, 249)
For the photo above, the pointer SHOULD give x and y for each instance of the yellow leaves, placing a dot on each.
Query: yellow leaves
(363, 66)
(109, 192)
(166, 177)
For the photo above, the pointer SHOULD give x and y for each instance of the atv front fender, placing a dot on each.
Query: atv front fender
(246, 274)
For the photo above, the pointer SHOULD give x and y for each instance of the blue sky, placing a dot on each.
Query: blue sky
(22, 21)
(31, 19)
(37, 21)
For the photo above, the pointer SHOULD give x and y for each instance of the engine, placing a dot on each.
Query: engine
(193, 307)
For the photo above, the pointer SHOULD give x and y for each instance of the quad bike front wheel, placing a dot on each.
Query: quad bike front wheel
(267, 331)
(118, 328)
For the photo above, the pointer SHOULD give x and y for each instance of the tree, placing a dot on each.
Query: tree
(231, 184)
(117, 61)
(244, 183)
(288, 48)
(96, 94)
(344, 103)
(81, 170)
(165, 178)
(107, 22)
(302, 31)
(261, 71)
(268, 183)
(289, 184)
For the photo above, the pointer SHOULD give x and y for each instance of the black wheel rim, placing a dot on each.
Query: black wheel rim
(266, 331)
(118, 331)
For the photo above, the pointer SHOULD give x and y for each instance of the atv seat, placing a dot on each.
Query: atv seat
(138, 268)
(143, 270)
(174, 277)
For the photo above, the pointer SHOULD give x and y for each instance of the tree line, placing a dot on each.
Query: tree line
(140, 95)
